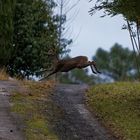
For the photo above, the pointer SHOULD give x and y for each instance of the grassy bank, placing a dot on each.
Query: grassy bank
(118, 106)
(32, 106)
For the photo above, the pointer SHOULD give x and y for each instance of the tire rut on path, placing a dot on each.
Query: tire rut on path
(77, 122)
(8, 125)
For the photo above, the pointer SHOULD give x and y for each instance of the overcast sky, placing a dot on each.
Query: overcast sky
(91, 32)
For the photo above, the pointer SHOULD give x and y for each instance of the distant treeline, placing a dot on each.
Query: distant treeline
(118, 63)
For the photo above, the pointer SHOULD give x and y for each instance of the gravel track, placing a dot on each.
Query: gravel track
(8, 125)
(77, 123)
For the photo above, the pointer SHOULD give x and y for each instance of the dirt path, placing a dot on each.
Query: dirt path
(77, 122)
(8, 125)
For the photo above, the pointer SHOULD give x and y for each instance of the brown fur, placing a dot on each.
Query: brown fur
(80, 62)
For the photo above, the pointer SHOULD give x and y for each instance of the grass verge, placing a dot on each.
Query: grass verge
(32, 106)
(118, 106)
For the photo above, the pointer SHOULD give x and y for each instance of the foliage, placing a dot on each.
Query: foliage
(117, 63)
(29, 36)
(6, 30)
(35, 37)
(77, 76)
(117, 105)
(82, 76)
(63, 8)
(128, 8)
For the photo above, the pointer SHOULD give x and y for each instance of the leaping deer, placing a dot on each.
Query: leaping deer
(79, 62)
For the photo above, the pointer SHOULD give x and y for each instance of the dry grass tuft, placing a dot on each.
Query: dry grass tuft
(3, 74)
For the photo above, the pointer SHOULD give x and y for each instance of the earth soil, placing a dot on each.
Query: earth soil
(77, 123)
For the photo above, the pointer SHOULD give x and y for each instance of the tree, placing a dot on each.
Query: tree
(30, 36)
(77, 76)
(117, 63)
(64, 7)
(35, 37)
(6, 31)
(130, 10)
(100, 56)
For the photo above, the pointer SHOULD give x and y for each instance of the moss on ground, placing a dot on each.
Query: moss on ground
(118, 106)
(32, 106)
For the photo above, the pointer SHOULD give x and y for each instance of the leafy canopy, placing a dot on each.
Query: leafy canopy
(128, 8)
(35, 35)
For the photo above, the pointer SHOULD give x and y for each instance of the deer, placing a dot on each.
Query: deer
(65, 65)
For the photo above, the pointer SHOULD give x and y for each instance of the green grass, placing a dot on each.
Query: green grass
(32, 106)
(118, 106)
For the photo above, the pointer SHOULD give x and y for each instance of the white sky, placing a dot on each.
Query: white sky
(91, 32)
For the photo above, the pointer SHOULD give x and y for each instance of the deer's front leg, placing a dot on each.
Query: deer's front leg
(94, 65)
(92, 69)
